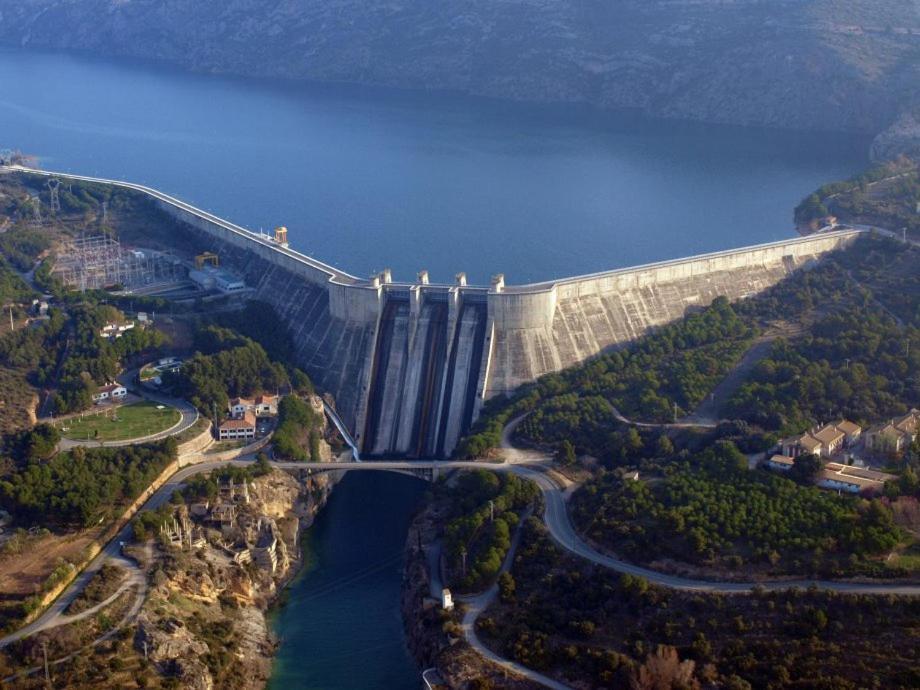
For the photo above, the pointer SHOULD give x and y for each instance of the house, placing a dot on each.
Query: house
(831, 439)
(115, 330)
(266, 405)
(781, 463)
(895, 436)
(851, 479)
(852, 431)
(244, 427)
(40, 307)
(826, 441)
(240, 406)
(447, 600)
(802, 445)
(111, 391)
(261, 406)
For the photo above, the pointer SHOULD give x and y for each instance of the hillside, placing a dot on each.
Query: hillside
(810, 64)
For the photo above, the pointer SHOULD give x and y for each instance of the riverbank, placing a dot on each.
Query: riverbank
(204, 621)
(435, 635)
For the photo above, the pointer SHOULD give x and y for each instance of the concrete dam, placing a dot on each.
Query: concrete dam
(410, 364)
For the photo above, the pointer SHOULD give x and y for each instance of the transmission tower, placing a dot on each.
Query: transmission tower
(36, 210)
(54, 186)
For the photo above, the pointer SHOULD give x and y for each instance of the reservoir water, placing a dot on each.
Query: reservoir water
(366, 179)
(341, 626)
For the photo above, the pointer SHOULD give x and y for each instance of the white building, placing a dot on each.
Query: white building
(447, 601)
(115, 330)
(781, 463)
(238, 428)
(112, 391)
(851, 479)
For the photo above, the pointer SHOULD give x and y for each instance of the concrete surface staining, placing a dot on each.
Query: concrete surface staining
(409, 364)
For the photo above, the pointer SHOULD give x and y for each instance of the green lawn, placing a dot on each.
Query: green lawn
(121, 423)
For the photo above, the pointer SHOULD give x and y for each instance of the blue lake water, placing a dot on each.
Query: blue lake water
(366, 179)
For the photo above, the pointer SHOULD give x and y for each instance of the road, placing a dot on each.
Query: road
(478, 603)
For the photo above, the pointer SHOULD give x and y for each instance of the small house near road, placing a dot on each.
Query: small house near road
(266, 405)
(240, 406)
(111, 391)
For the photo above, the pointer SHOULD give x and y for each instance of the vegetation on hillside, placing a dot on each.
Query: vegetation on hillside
(670, 370)
(299, 431)
(471, 533)
(857, 364)
(589, 626)
(884, 196)
(84, 486)
(711, 510)
(225, 365)
(66, 352)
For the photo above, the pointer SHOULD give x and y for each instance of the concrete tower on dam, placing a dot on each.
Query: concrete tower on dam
(410, 364)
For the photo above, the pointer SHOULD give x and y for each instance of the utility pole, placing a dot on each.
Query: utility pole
(675, 413)
(463, 556)
(491, 510)
(847, 360)
(12, 326)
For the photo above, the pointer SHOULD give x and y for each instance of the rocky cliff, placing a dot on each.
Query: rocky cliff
(203, 623)
(813, 64)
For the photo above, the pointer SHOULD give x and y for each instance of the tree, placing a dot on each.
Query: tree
(506, 586)
(301, 383)
(664, 447)
(565, 455)
(664, 670)
(805, 468)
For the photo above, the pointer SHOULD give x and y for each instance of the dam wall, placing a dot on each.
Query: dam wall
(410, 364)
(543, 328)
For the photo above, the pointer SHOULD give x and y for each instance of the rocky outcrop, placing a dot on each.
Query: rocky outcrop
(174, 649)
(902, 138)
(813, 64)
(204, 620)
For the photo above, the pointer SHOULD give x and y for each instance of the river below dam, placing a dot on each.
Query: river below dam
(340, 625)
(366, 179)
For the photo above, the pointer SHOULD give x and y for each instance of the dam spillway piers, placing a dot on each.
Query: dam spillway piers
(410, 364)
